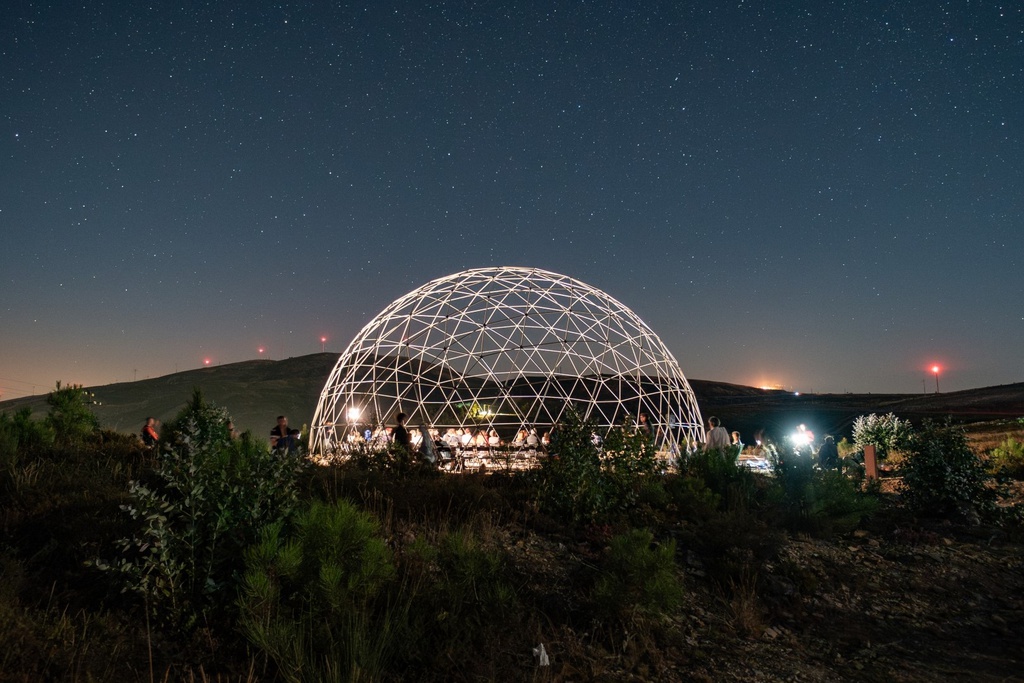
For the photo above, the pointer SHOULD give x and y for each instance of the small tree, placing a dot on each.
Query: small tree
(70, 417)
(308, 595)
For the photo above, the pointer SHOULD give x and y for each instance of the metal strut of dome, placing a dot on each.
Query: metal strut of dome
(505, 348)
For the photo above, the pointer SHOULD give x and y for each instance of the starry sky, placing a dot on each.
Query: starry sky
(823, 196)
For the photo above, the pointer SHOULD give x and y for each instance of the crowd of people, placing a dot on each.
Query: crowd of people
(433, 445)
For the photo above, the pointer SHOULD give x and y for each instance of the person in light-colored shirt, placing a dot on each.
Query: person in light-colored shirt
(718, 438)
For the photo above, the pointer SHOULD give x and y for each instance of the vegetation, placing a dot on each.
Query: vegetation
(198, 512)
(1007, 459)
(889, 434)
(224, 561)
(943, 476)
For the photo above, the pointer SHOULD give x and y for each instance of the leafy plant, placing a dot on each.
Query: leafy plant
(69, 416)
(1007, 459)
(584, 482)
(887, 433)
(817, 501)
(474, 592)
(572, 482)
(205, 504)
(943, 476)
(720, 471)
(20, 437)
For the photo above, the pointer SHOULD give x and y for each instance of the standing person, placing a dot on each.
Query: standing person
(427, 445)
(149, 434)
(828, 454)
(718, 438)
(400, 435)
(737, 443)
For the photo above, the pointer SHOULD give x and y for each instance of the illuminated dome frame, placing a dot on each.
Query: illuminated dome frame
(505, 348)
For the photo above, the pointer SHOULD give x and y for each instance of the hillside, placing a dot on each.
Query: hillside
(256, 391)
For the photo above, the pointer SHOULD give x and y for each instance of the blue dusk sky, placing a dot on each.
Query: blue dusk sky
(824, 196)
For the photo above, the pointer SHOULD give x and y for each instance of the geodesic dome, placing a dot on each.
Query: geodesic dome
(505, 349)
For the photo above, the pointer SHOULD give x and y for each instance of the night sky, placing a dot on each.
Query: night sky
(817, 195)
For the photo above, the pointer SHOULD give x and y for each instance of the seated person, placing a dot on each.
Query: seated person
(283, 438)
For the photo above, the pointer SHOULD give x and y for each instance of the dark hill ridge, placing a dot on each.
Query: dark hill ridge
(256, 391)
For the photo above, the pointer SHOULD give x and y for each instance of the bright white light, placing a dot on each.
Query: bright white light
(800, 438)
(353, 414)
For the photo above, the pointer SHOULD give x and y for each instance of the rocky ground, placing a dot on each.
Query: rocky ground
(889, 603)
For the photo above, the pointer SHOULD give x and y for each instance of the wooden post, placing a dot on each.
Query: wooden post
(870, 463)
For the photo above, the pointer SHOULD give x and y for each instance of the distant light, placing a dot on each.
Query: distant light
(935, 369)
(206, 361)
(261, 349)
(353, 414)
(323, 339)
(796, 393)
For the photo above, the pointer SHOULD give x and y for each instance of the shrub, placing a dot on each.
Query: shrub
(474, 594)
(393, 461)
(692, 498)
(20, 438)
(69, 416)
(637, 575)
(719, 469)
(817, 501)
(572, 482)
(308, 598)
(208, 499)
(887, 433)
(1007, 459)
(943, 476)
(629, 465)
(583, 482)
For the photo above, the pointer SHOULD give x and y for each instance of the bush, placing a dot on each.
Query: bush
(308, 598)
(583, 482)
(637, 575)
(572, 483)
(474, 596)
(943, 476)
(887, 433)
(817, 501)
(20, 438)
(69, 416)
(208, 499)
(1007, 459)
(720, 470)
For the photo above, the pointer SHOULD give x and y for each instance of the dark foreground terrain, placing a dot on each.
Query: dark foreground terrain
(623, 574)
(897, 598)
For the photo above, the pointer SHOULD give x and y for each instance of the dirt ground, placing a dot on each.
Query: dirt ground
(922, 603)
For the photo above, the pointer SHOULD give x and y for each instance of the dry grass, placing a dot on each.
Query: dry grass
(984, 436)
